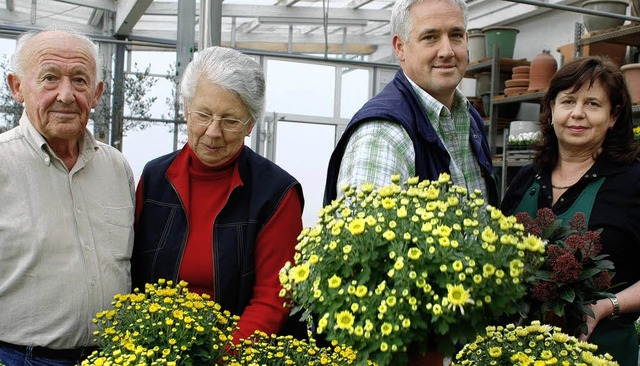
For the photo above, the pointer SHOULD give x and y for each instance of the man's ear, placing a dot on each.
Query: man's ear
(398, 47)
(16, 87)
(98, 95)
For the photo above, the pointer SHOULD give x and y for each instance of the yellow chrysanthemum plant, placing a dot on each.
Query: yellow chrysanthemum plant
(164, 325)
(421, 266)
(262, 349)
(529, 345)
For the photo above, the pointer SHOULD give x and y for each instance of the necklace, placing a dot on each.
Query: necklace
(562, 187)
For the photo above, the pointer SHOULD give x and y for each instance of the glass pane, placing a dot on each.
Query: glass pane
(141, 146)
(300, 88)
(355, 90)
(303, 150)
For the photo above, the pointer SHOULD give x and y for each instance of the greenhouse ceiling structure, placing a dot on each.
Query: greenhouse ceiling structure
(354, 29)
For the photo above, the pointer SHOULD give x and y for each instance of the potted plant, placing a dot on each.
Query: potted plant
(409, 269)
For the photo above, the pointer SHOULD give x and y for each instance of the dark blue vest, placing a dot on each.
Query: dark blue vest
(398, 102)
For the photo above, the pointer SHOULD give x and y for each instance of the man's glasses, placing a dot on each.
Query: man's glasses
(227, 124)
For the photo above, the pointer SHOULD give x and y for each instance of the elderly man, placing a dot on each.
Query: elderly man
(66, 222)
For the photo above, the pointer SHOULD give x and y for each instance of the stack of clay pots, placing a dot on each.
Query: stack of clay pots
(519, 82)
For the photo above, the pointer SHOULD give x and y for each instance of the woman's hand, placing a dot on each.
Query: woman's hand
(601, 310)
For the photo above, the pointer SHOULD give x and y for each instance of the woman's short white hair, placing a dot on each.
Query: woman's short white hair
(229, 69)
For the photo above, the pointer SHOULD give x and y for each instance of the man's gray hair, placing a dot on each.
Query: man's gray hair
(401, 21)
(19, 59)
(229, 69)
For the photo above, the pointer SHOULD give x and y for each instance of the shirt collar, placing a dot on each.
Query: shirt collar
(88, 144)
(433, 107)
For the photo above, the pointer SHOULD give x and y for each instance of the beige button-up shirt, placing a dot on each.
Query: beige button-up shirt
(65, 238)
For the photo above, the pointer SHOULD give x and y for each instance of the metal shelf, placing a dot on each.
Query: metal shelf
(627, 35)
(486, 63)
(525, 97)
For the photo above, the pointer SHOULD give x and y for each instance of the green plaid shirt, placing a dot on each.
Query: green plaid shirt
(379, 149)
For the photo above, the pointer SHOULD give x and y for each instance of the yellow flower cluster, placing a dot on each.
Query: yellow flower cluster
(165, 325)
(262, 349)
(532, 345)
(170, 326)
(401, 266)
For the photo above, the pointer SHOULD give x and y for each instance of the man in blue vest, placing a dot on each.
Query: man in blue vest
(420, 124)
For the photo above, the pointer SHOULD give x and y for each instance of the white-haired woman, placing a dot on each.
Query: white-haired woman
(215, 213)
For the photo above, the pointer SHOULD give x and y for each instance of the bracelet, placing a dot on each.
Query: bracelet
(616, 307)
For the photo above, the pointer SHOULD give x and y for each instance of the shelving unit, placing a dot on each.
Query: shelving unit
(495, 65)
(627, 35)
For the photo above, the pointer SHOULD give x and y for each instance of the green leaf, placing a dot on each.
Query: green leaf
(567, 293)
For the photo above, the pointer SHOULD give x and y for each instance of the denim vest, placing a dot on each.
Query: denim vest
(398, 102)
(162, 226)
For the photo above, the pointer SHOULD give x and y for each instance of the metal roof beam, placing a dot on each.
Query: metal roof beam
(269, 37)
(109, 5)
(128, 14)
(355, 4)
(254, 11)
(11, 18)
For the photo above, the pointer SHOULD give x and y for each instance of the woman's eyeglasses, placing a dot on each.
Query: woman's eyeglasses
(227, 124)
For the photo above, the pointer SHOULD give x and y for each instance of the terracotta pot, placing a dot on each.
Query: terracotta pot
(520, 75)
(521, 69)
(515, 90)
(516, 83)
(631, 74)
(542, 69)
(430, 359)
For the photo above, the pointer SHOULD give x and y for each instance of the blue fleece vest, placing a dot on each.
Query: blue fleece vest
(398, 102)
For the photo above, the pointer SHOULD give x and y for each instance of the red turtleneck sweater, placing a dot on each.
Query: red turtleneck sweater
(207, 193)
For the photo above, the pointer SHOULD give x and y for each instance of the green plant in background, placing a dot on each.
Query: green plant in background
(636, 133)
(524, 139)
(10, 110)
(138, 102)
(404, 267)
(637, 324)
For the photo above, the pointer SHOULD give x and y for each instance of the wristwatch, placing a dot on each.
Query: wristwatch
(616, 307)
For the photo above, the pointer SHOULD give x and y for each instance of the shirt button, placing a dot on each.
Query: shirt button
(47, 160)
(561, 199)
(79, 211)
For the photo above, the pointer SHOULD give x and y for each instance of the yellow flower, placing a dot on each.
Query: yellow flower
(344, 319)
(495, 352)
(386, 328)
(361, 291)
(301, 272)
(489, 235)
(334, 281)
(414, 253)
(458, 296)
(389, 235)
(357, 226)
